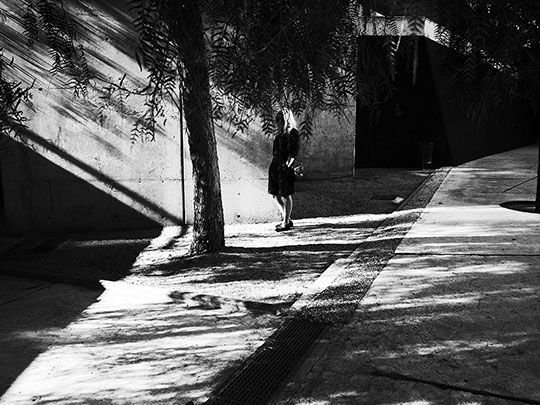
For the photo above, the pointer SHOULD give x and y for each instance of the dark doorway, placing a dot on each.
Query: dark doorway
(426, 116)
(393, 133)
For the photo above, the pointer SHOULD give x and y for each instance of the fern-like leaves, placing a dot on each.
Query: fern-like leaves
(12, 95)
(48, 22)
(263, 56)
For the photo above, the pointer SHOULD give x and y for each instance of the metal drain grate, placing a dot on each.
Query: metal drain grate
(261, 374)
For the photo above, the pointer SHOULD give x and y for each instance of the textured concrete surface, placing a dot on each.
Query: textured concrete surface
(124, 345)
(186, 325)
(454, 317)
(450, 319)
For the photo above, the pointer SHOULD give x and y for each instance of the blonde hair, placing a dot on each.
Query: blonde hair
(288, 119)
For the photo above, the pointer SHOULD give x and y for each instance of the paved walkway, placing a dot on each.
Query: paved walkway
(454, 317)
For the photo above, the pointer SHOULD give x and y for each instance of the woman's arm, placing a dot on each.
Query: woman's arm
(294, 146)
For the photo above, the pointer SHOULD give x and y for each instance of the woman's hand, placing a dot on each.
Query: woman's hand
(289, 162)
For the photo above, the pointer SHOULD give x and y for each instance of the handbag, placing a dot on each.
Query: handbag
(298, 171)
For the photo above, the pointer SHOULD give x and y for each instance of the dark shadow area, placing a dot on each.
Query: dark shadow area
(134, 217)
(355, 194)
(242, 264)
(45, 197)
(33, 308)
(522, 206)
(426, 110)
(393, 136)
(3, 230)
(47, 204)
(76, 258)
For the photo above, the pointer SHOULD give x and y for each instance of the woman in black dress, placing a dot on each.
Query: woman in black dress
(281, 173)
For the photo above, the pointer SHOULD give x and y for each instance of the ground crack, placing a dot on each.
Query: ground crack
(445, 386)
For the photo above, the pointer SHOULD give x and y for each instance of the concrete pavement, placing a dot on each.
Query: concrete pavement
(454, 316)
(31, 308)
(152, 339)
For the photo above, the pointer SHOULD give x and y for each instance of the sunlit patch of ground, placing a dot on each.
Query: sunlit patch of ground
(258, 264)
(136, 346)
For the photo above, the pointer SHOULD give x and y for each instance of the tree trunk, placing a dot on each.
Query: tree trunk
(208, 227)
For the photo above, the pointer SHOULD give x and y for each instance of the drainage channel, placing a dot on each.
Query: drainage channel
(258, 378)
(266, 369)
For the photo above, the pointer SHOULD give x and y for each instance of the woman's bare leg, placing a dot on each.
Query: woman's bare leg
(288, 205)
(281, 204)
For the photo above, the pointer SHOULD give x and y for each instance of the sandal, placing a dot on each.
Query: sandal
(281, 228)
(290, 225)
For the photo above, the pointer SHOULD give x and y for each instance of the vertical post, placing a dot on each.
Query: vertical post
(537, 204)
(182, 162)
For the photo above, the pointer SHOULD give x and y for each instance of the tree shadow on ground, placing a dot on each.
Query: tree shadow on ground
(46, 309)
(139, 346)
(270, 275)
(258, 263)
(469, 323)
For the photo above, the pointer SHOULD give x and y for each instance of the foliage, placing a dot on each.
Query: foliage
(114, 97)
(263, 55)
(499, 47)
(492, 47)
(303, 54)
(12, 94)
(48, 22)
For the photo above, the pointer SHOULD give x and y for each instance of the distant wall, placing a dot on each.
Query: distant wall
(330, 151)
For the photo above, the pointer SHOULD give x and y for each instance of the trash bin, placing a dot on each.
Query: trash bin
(425, 154)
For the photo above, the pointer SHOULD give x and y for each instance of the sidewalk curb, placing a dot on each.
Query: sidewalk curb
(306, 305)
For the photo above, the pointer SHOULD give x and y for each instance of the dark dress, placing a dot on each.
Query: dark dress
(280, 177)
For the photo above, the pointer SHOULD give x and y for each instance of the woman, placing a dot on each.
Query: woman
(281, 173)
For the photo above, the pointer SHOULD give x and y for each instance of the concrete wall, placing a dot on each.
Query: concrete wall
(243, 160)
(78, 169)
(330, 151)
